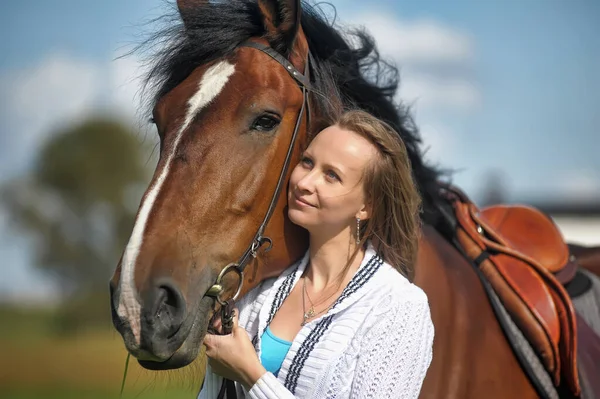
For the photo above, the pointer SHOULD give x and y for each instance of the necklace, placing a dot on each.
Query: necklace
(311, 311)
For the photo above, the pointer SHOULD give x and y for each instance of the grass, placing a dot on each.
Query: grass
(67, 393)
(38, 364)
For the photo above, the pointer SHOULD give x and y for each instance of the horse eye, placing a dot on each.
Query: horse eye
(265, 123)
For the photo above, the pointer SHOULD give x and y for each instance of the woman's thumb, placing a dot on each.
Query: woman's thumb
(209, 340)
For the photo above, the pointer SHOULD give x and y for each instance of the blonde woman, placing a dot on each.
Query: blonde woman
(345, 321)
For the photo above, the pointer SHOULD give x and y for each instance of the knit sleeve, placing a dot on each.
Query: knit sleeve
(395, 352)
(269, 387)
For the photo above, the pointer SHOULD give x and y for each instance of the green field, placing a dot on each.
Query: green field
(37, 363)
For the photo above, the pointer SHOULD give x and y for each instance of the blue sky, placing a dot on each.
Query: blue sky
(506, 86)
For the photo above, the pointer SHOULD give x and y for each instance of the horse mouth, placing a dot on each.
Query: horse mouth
(191, 341)
(178, 360)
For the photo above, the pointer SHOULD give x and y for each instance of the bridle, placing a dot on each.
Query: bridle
(303, 81)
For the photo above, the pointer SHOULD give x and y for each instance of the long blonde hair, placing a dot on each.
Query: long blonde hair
(394, 226)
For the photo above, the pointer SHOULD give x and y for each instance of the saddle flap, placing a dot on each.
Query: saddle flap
(518, 285)
(528, 231)
(523, 246)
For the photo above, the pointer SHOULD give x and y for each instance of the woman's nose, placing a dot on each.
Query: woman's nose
(306, 182)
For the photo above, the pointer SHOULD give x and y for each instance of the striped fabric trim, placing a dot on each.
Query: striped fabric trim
(284, 290)
(281, 294)
(359, 280)
(291, 380)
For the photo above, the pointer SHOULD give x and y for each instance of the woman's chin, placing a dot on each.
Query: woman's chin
(298, 218)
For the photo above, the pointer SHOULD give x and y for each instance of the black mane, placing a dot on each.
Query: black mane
(355, 73)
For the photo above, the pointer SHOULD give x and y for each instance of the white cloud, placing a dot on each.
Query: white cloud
(38, 99)
(124, 85)
(419, 41)
(438, 143)
(425, 91)
(59, 90)
(434, 60)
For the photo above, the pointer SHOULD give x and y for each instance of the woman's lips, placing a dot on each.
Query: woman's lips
(302, 202)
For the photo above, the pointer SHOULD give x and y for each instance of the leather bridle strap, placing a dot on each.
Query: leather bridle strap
(259, 239)
(303, 83)
(228, 389)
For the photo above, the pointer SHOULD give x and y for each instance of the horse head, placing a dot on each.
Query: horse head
(225, 115)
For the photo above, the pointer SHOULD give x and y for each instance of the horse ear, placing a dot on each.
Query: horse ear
(281, 19)
(185, 7)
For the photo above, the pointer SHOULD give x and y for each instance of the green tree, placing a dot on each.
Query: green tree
(78, 204)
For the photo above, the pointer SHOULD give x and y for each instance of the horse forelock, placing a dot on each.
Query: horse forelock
(209, 87)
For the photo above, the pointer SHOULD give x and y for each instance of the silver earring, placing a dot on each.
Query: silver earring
(357, 231)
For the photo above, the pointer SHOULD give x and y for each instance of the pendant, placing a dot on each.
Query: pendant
(307, 315)
(310, 313)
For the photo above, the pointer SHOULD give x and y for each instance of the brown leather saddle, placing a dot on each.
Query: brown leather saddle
(523, 255)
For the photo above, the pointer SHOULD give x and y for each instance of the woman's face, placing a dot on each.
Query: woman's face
(326, 187)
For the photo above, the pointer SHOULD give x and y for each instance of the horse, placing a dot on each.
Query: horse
(231, 117)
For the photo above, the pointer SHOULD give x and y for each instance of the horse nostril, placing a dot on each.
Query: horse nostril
(166, 302)
(168, 309)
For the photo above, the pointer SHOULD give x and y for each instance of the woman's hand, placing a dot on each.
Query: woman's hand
(232, 356)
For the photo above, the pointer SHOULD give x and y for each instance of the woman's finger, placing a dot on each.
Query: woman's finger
(235, 317)
(209, 344)
(217, 324)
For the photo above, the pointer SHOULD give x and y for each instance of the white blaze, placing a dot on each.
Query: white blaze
(209, 87)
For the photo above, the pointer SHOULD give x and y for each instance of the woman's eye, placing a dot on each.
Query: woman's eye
(332, 175)
(306, 162)
(265, 123)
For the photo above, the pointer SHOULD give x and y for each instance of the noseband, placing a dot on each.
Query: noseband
(303, 81)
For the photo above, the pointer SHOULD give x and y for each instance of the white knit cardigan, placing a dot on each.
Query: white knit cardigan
(375, 342)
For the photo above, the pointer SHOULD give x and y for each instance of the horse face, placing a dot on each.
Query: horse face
(224, 132)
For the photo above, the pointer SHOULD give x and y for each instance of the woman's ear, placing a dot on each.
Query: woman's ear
(365, 212)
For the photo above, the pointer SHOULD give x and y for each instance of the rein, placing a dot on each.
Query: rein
(228, 389)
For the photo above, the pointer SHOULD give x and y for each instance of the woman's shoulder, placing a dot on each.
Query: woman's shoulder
(399, 290)
(398, 303)
(398, 310)
(391, 284)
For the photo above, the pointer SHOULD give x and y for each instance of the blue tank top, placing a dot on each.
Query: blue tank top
(272, 351)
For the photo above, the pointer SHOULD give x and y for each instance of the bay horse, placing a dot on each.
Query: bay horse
(225, 114)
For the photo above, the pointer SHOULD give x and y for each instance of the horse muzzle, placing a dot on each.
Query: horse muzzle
(168, 335)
